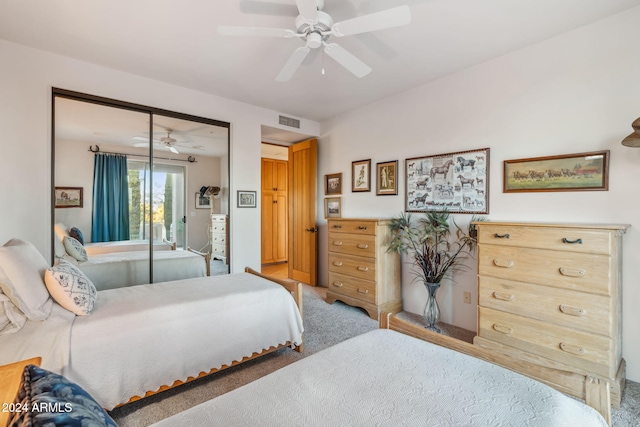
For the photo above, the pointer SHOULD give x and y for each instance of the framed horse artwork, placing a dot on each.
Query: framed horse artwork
(457, 182)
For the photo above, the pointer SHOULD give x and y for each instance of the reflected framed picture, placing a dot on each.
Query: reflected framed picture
(361, 175)
(202, 202)
(68, 197)
(332, 207)
(387, 178)
(246, 199)
(567, 172)
(333, 183)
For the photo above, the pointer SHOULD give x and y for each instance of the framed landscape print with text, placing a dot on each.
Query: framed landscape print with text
(457, 182)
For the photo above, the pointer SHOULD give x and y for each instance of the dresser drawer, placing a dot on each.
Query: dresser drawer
(556, 238)
(352, 245)
(220, 250)
(218, 238)
(354, 287)
(218, 227)
(354, 227)
(582, 272)
(218, 218)
(572, 309)
(590, 352)
(356, 266)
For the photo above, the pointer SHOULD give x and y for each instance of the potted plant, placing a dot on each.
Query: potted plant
(435, 249)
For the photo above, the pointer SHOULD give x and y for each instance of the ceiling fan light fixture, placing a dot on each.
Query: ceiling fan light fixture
(314, 40)
(633, 140)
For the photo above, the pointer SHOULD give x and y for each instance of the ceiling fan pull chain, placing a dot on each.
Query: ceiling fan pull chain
(322, 58)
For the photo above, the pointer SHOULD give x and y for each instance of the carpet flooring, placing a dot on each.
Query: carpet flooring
(325, 325)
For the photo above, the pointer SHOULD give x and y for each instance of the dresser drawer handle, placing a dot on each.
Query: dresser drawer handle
(361, 268)
(572, 311)
(337, 226)
(363, 291)
(503, 296)
(572, 349)
(501, 236)
(505, 263)
(362, 227)
(502, 329)
(337, 284)
(337, 263)
(337, 243)
(565, 240)
(570, 272)
(362, 246)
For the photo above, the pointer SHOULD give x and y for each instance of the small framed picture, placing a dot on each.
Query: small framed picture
(387, 178)
(361, 175)
(68, 197)
(202, 202)
(333, 183)
(246, 199)
(332, 207)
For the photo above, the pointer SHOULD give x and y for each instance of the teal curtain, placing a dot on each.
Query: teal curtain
(110, 214)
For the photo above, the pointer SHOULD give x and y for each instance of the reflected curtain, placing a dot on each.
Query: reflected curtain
(110, 216)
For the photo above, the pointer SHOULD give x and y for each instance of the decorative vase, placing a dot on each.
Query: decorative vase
(431, 310)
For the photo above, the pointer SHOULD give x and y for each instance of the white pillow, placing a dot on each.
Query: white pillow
(22, 270)
(11, 319)
(58, 246)
(75, 248)
(71, 288)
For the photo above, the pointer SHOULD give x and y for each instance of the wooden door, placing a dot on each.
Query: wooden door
(303, 242)
(275, 211)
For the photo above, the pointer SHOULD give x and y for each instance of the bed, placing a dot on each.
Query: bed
(388, 377)
(140, 340)
(112, 265)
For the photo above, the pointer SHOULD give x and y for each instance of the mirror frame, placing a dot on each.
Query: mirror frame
(152, 111)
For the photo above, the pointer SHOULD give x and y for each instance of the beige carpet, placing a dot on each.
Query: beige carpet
(325, 325)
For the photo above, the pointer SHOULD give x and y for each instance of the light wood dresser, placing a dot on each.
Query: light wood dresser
(361, 271)
(220, 237)
(550, 294)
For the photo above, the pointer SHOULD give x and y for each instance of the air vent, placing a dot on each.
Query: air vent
(288, 121)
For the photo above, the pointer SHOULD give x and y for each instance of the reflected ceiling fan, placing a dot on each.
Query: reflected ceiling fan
(168, 142)
(315, 27)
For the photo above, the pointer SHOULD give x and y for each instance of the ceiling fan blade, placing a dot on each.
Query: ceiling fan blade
(373, 22)
(347, 60)
(292, 64)
(255, 31)
(172, 149)
(309, 10)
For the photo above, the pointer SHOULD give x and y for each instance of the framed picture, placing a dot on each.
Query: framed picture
(246, 199)
(333, 183)
(68, 197)
(568, 172)
(387, 178)
(457, 182)
(361, 175)
(202, 202)
(332, 207)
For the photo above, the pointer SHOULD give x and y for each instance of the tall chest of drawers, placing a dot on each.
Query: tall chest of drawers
(550, 294)
(361, 271)
(220, 237)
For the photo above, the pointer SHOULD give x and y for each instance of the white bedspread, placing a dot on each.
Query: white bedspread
(119, 269)
(123, 246)
(48, 339)
(385, 378)
(143, 337)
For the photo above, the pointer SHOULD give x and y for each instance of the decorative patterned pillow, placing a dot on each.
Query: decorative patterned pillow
(11, 318)
(71, 288)
(75, 248)
(59, 402)
(22, 269)
(77, 234)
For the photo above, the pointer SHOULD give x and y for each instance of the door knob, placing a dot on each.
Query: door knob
(311, 230)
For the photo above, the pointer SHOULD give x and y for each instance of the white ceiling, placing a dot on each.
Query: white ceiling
(177, 42)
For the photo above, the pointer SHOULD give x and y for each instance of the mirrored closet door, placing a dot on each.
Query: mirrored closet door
(135, 181)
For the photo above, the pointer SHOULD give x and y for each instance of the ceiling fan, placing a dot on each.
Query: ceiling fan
(168, 142)
(315, 27)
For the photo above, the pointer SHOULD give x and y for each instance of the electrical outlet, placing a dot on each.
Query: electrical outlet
(467, 297)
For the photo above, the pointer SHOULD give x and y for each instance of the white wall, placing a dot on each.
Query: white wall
(575, 93)
(26, 79)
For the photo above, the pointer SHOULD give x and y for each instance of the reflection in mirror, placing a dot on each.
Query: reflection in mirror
(110, 191)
